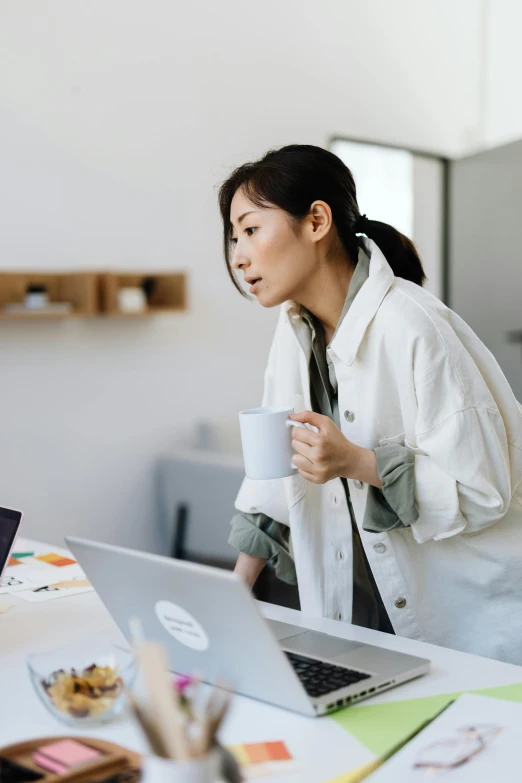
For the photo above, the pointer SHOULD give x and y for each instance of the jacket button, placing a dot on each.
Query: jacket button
(380, 548)
(348, 415)
(358, 484)
(335, 500)
(401, 602)
(339, 616)
(340, 555)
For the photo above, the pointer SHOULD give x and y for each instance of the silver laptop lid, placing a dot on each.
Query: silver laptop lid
(206, 618)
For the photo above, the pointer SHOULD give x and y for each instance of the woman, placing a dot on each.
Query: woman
(406, 512)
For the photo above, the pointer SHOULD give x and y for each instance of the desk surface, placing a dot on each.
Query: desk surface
(321, 747)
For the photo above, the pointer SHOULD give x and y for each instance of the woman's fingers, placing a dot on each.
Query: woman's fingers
(310, 417)
(305, 436)
(303, 448)
(302, 462)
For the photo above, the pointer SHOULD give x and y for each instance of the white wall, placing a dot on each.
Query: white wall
(117, 120)
(502, 58)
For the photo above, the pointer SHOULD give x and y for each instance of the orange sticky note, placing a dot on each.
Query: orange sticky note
(260, 752)
(278, 751)
(56, 560)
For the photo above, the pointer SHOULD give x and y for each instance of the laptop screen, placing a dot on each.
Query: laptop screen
(9, 522)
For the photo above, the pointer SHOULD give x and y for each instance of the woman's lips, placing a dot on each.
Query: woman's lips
(254, 286)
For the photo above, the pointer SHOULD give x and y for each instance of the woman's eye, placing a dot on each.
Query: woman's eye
(233, 240)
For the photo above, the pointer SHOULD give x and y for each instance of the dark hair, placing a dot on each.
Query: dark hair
(295, 176)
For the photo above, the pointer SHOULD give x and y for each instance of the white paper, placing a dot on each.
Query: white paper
(499, 760)
(40, 595)
(34, 573)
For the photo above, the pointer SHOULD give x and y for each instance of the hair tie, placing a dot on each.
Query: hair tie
(361, 226)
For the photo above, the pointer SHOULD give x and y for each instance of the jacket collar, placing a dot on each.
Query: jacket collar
(351, 331)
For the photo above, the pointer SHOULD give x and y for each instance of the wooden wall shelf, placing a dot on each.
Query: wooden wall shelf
(91, 294)
(78, 289)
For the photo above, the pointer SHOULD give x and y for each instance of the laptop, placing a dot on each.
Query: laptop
(208, 621)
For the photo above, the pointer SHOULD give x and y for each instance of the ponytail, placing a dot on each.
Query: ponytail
(398, 250)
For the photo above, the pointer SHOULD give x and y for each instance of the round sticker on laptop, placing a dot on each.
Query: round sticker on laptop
(181, 625)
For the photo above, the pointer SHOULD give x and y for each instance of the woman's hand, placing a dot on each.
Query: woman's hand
(327, 454)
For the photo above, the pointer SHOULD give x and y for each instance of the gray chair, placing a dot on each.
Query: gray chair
(197, 490)
(196, 493)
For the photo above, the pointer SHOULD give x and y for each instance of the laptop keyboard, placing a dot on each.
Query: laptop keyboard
(319, 677)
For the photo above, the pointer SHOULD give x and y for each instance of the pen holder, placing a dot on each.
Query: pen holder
(205, 769)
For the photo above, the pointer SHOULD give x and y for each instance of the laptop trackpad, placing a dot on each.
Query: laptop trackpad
(320, 645)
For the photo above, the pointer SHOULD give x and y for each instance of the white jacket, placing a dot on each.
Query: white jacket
(411, 372)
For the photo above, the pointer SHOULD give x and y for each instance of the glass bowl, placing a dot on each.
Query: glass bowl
(82, 684)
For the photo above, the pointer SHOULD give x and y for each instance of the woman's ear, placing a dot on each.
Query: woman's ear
(319, 220)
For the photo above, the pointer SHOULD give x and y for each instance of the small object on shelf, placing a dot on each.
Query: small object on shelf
(132, 300)
(149, 285)
(36, 297)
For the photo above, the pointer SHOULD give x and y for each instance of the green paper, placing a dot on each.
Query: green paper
(18, 555)
(382, 726)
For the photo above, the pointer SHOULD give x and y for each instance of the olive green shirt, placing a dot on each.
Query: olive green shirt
(393, 506)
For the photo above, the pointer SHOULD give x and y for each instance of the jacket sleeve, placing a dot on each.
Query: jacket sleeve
(267, 497)
(464, 469)
(462, 475)
(393, 505)
(261, 536)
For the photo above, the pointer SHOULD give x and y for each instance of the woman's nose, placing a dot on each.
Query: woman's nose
(239, 261)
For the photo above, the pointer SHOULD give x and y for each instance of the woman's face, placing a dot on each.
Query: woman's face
(276, 263)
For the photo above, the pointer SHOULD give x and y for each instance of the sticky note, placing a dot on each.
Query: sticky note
(55, 560)
(260, 752)
(72, 583)
(65, 754)
(19, 555)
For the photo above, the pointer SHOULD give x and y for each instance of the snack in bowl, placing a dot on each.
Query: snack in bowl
(88, 693)
(83, 683)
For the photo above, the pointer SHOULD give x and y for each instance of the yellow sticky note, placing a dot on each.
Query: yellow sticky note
(5, 607)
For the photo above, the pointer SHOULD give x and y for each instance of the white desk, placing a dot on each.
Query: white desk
(322, 748)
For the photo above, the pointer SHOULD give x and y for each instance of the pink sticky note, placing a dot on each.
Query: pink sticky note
(46, 763)
(68, 753)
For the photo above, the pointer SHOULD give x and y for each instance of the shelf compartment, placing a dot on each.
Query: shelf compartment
(165, 292)
(79, 289)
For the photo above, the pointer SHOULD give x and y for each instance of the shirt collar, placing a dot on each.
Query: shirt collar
(362, 302)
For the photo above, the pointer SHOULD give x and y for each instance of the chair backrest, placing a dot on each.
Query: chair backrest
(197, 490)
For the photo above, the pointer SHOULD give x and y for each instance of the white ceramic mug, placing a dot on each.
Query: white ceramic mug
(266, 438)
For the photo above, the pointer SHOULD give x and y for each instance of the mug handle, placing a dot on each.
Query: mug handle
(290, 423)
